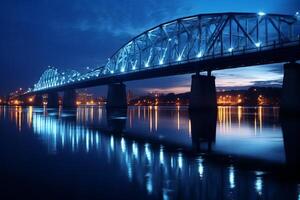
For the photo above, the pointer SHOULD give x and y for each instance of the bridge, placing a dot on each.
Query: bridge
(194, 44)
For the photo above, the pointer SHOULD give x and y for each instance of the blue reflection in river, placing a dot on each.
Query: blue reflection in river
(152, 147)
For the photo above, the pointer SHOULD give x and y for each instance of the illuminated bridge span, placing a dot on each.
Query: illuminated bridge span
(192, 44)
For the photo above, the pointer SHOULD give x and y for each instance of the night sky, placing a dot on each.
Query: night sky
(74, 34)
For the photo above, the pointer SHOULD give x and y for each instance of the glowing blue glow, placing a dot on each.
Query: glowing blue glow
(149, 185)
(123, 145)
(258, 185)
(200, 167)
(179, 58)
(147, 64)
(261, 13)
(122, 69)
(161, 61)
(148, 152)
(135, 149)
(231, 177)
(200, 54)
(180, 160)
(112, 145)
(112, 72)
(258, 44)
(230, 49)
(161, 155)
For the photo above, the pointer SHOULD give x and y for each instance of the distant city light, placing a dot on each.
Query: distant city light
(146, 64)
(179, 58)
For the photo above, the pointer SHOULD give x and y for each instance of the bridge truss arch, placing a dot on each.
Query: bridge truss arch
(187, 40)
(52, 77)
(201, 37)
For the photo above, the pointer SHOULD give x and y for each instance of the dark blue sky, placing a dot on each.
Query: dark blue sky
(80, 33)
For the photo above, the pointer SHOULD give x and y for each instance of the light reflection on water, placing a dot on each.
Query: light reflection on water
(139, 149)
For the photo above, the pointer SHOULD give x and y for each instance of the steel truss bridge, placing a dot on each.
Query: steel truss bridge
(197, 43)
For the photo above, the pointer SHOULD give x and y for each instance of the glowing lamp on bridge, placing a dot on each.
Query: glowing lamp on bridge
(122, 69)
(200, 54)
(230, 49)
(261, 13)
(258, 44)
(179, 58)
(30, 99)
(161, 61)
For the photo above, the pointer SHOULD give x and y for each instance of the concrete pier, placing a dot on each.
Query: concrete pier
(116, 96)
(38, 100)
(203, 93)
(290, 100)
(69, 99)
(52, 100)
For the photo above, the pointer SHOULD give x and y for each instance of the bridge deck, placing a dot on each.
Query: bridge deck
(259, 57)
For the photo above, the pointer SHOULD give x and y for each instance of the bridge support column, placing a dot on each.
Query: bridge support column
(38, 100)
(203, 93)
(290, 100)
(69, 100)
(116, 96)
(52, 100)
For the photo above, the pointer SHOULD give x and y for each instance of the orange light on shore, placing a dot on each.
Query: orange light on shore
(16, 102)
(30, 99)
(78, 103)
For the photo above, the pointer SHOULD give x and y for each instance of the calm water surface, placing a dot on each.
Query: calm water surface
(148, 153)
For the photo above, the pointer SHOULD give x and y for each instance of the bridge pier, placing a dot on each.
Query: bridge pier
(203, 93)
(38, 100)
(290, 100)
(116, 96)
(69, 100)
(52, 100)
